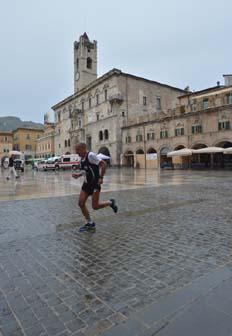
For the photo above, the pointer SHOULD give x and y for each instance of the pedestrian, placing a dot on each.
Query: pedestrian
(93, 169)
(11, 168)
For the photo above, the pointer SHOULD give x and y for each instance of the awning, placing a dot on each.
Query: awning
(14, 152)
(208, 150)
(227, 150)
(181, 152)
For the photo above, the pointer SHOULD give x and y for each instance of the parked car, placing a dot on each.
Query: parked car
(50, 163)
(36, 162)
(40, 165)
(19, 164)
(68, 161)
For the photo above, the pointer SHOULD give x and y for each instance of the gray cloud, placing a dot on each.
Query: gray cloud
(175, 42)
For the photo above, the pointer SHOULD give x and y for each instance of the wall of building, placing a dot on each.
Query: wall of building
(24, 140)
(45, 145)
(6, 144)
(209, 134)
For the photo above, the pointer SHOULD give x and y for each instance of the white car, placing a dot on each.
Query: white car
(50, 163)
(40, 164)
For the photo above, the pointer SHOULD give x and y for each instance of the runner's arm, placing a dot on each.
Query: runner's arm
(77, 175)
(102, 166)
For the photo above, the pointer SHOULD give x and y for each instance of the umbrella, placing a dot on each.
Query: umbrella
(103, 156)
(208, 150)
(227, 150)
(14, 152)
(181, 152)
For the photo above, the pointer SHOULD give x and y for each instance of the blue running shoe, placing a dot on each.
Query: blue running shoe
(88, 227)
(113, 205)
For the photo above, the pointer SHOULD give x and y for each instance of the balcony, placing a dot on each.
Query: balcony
(116, 98)
(75, 112)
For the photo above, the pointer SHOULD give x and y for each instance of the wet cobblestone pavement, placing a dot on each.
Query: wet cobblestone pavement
(56, 281)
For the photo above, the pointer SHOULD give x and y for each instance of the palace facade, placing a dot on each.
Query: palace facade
(135, 120)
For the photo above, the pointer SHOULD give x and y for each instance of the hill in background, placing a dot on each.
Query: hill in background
(9, 124)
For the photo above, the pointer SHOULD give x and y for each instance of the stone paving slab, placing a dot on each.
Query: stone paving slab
(157, 319)
(55, 281)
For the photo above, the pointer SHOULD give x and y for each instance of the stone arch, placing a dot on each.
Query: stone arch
(139, 151)
(198, 145)
(178, 147)
(224, 143)
(151, 151)
(222, 160)
(164, 150)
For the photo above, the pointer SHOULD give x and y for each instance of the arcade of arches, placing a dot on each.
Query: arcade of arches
(151, 159)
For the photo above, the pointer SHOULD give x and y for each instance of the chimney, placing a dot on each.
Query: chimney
(218, 83)
(228, 80)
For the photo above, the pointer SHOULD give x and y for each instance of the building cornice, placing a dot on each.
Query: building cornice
(175, 117)
(113, 72)
(28, 129)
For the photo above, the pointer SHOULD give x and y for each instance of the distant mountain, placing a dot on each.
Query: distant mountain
(8, 124)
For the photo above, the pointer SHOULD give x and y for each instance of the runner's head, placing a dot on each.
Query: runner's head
(81, 149)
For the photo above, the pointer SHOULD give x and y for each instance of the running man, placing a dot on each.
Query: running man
(93, 169)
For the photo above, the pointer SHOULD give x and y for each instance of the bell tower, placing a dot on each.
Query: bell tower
(85, 62)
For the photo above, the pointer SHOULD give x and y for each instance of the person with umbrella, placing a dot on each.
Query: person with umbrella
(11, 168)
(93, 169)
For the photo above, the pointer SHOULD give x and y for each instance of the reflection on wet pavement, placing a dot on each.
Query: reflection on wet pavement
(173, 230)
(34, 184)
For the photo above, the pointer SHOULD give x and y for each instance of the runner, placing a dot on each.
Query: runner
(93, 169)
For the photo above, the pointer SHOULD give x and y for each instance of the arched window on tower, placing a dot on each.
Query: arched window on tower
(100, 135)
(77, 62)
(106, 134)
(89, 63)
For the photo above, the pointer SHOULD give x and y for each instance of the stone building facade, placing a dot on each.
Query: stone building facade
(100, 107)
(24, 140)
(6, 144)
(201, 119)
(45, 144)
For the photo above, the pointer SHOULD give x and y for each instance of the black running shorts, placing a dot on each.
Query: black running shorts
(90, 188)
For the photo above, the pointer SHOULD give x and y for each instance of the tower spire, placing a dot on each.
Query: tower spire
(85, 62)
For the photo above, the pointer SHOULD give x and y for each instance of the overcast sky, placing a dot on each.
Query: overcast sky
(176, 42)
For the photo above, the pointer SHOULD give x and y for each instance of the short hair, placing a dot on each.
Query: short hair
(81, 144)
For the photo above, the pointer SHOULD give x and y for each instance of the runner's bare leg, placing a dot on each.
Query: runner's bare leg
(95, 201)
(82, 204)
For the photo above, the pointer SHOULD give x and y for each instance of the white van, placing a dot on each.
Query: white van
(68, 161)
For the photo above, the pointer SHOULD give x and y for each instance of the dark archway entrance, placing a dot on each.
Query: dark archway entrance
(221, 160)
(129, 159)
(200, 161)
(165, 161)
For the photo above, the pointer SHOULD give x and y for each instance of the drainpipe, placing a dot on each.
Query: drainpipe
(144, 147)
